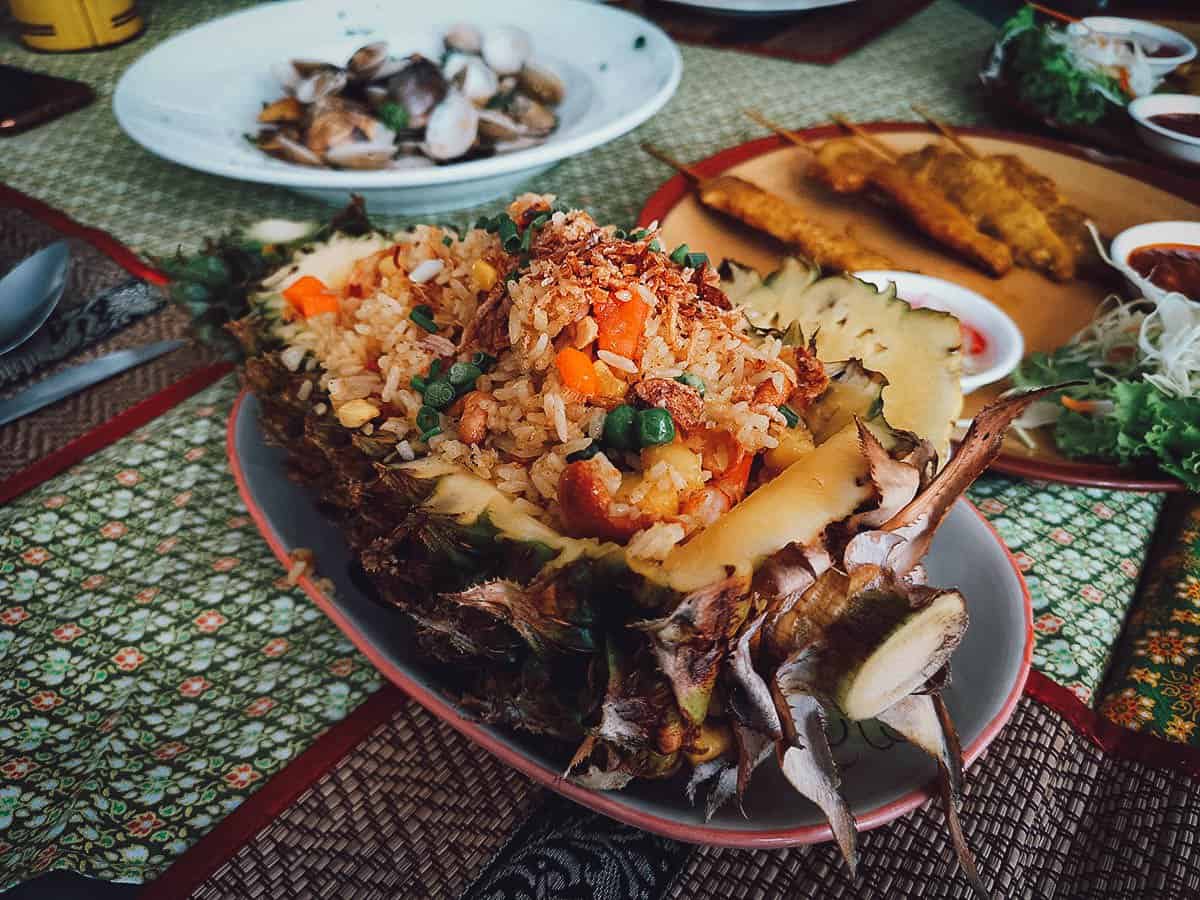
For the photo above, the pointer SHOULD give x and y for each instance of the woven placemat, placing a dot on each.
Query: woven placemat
(415, 811)
(1047, 813)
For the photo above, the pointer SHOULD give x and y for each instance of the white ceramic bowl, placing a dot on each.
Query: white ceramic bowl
(1004, 344)
(1159, 65)
(1144, 235)
(1167, 142)
(193, 97)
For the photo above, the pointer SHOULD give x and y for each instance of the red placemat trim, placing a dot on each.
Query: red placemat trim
(215, 848)
(101, 240)
(114, 429)
(1147, 749)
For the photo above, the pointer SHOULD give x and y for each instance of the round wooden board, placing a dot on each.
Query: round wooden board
(1115, 194)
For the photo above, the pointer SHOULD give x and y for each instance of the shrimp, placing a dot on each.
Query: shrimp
(586, 505)
(707, 504)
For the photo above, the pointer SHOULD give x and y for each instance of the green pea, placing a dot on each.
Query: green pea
(695, 382)
(439, 394)
(654, 427)
(483, 360)
(618, 428)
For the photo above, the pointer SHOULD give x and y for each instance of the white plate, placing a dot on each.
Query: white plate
(882, 778)
(1005, 345)
(758, 7)
(193, 97)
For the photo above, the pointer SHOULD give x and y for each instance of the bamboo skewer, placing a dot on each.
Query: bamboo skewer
(866, 137)
(682, 168)
(785, 133)
(946, 131)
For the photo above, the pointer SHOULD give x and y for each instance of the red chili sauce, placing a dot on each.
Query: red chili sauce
(1173, 267)
(1180, 123)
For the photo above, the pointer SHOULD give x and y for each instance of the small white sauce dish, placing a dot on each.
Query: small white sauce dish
(1004, 345)
(1152, 36)
(1145, 235)
(1174, 144)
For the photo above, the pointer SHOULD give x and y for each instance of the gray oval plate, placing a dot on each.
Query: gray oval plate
(882, 778)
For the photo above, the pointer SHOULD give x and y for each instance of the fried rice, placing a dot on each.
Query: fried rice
(415, 304)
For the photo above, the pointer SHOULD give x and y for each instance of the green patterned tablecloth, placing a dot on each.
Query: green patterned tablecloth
(154, 670)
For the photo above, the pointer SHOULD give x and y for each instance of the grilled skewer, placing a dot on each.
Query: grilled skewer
(781, 218)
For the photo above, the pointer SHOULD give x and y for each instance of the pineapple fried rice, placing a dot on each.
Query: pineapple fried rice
(605, 385)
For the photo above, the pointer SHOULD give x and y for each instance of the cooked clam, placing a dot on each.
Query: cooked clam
(452, 127)
(472, 76)
(506, 49)
(536, 118)
(333, 125)
(324, 83)
(541, 84)
(484, 95)
(498, 127)
(464, 38)
(366, 61)
(361, 156)
(418, 88)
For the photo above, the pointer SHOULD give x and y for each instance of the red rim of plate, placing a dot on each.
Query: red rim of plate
(599, 800)
(675, 189)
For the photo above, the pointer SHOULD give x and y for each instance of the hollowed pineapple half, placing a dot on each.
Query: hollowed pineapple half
(807, 598)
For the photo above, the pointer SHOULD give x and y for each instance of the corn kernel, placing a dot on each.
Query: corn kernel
(356, 413)
(483, 275)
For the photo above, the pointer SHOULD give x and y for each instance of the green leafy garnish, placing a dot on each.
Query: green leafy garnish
(393, 115)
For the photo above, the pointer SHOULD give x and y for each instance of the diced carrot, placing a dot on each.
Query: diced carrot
(577, 371)
(302, 287)
(310, 297)
(620, 324)
(315, 304)
(1079, 406)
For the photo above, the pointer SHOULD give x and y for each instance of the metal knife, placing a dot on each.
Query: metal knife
(48, 390)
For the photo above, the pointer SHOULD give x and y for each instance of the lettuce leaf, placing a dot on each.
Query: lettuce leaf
(1145, 424)
(1047, 76)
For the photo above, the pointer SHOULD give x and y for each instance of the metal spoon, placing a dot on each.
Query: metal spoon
(29, 293)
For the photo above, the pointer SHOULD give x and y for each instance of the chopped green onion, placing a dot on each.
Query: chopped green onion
(432, 432)
(638, 234)
(618, 428)
(439, 394)
(695, 382)
(695, 260)
(654, 427)
(484, 361)
(619, 234)
(435, 369)
(393, 115)
(418, 384)
(423, 316)
(447, 240)
(427, 418)
(679, 254)
(790, 415)
(464, 374)
(586, 453)
(654, 246)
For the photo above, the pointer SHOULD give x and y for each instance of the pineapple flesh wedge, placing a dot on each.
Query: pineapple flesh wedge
(918, 351)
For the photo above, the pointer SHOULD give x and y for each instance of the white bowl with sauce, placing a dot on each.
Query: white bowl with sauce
(1170, 236)
(1158, 135)
(992, 343)
(1154, 39)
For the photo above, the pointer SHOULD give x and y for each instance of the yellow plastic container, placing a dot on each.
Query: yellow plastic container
(60, 25)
